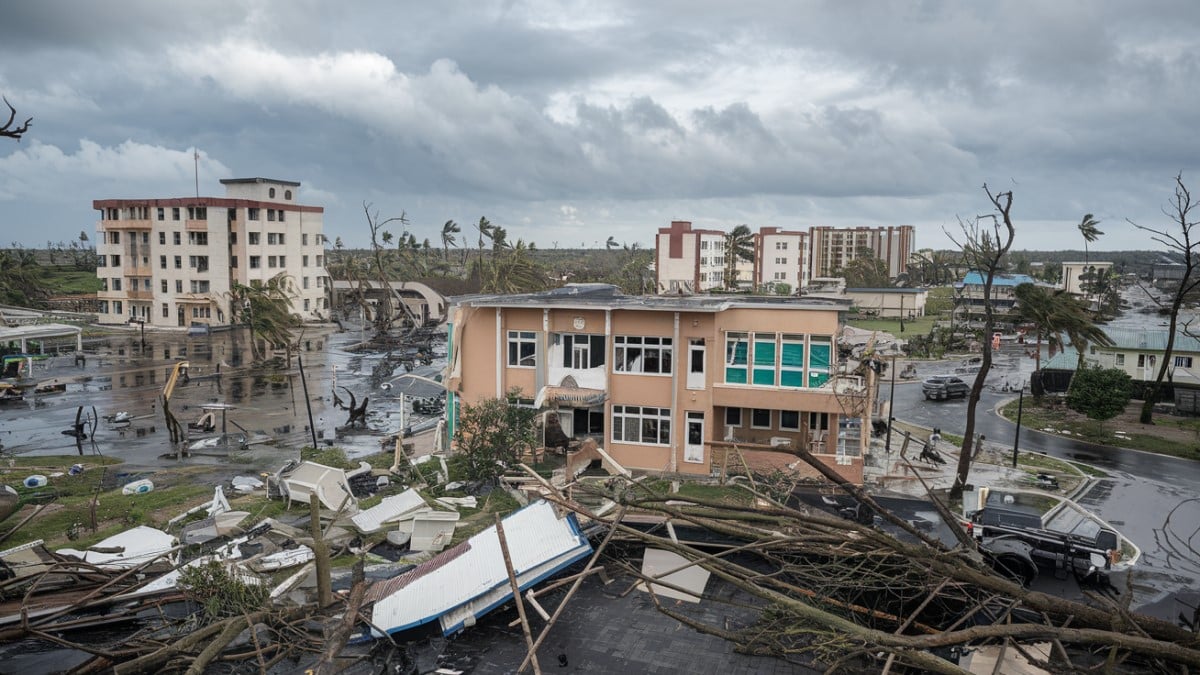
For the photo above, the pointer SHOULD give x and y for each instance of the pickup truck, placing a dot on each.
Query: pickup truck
(942, 387)
(1016, 544)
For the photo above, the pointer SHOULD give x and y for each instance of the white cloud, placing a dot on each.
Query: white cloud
(44, 173)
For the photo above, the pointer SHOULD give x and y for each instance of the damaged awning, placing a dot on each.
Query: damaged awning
(570, 396)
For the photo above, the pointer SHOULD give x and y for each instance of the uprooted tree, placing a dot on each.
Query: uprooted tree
(983, 250)
(849, 597)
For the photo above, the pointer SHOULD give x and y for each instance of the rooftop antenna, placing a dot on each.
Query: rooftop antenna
(196, 169)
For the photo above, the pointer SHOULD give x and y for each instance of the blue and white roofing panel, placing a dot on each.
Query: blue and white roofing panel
(469, 580)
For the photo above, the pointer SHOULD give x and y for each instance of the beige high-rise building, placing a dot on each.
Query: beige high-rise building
(832, 248)
(171, 262)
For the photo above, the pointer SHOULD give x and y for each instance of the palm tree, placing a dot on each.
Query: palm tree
(266, 308)
(450, 229)
(1087, 227)
(611, 244)
(739, 245)
(1055, 312)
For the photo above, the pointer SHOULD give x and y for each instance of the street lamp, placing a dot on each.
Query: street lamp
(141, 322)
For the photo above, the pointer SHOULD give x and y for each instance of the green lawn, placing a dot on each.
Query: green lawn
(66, 280)
(1060, 417)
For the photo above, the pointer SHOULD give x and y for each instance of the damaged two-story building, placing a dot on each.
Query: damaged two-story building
(665, 384)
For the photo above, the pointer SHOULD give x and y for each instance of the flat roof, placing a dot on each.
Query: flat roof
(39, 330)
(607, 296)
(243, 181)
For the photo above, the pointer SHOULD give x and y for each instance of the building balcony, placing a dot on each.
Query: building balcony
(140, 294)
(137, 270)
(117, 225)
(196, 225)
(822, 399)
(194, 298)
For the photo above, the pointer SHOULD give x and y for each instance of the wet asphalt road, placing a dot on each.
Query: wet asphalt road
(1152, 499)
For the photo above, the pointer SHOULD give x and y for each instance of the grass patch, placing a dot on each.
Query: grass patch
(59, 462)
(1040, 462)
(334, 457)
(66, 280)
(69, 514)
(1058, 417)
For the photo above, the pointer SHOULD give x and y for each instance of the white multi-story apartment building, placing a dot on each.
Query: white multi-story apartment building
(781, 257)
(172, 262)
(689, 260)
(693, 261)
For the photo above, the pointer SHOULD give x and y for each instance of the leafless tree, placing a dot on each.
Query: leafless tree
(1183, 242)
(7, 130)
(983, 250)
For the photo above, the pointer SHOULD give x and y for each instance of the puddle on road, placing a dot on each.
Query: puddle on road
(123, 376)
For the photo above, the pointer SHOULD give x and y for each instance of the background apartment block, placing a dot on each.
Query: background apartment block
(172, 262)
(693, 261)
(835, 247)
(666, 384)
(781, 257)
(689, 261)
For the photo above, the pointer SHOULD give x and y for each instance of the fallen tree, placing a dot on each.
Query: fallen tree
(851, 597)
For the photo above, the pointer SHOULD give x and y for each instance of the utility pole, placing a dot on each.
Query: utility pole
(891, 407)
(1017, 435)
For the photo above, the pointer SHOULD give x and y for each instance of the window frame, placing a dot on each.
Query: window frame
(517, 340)
(734, 425)
(770, 418)
(648, 419)
(643, 346)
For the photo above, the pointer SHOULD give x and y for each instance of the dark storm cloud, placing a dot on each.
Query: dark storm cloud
(566, 118)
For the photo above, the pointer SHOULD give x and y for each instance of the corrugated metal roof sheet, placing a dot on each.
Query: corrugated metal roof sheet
(470, 579)
(1067, 359)
(390, 510)
(1150, 340)
(974, 278)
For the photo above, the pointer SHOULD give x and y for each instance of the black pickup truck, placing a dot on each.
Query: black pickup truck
(1017, 544)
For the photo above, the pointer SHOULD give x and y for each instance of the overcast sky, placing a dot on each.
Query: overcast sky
(568, 123)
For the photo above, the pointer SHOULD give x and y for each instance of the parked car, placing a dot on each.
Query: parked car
(942, 387)
(428, 405)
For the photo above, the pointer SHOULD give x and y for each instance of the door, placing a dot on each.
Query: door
(695, 374)
(693, 451)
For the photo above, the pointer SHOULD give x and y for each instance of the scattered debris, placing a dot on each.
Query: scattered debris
(138, 487)
(131, 548)
(460, 585)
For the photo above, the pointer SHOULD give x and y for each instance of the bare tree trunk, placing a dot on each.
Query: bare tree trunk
(983, 250)
(1183, 245)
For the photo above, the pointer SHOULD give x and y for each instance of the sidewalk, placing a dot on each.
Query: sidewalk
(887, 473)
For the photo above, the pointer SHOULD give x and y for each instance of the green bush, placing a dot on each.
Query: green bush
(220, 593)
(1099, 393)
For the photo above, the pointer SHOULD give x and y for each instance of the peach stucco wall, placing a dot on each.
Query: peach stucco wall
(481, 331)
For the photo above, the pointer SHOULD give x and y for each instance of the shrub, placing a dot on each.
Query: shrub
(221, 593)
(1099, 393)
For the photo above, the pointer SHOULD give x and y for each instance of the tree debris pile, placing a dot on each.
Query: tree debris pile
(855, 598)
